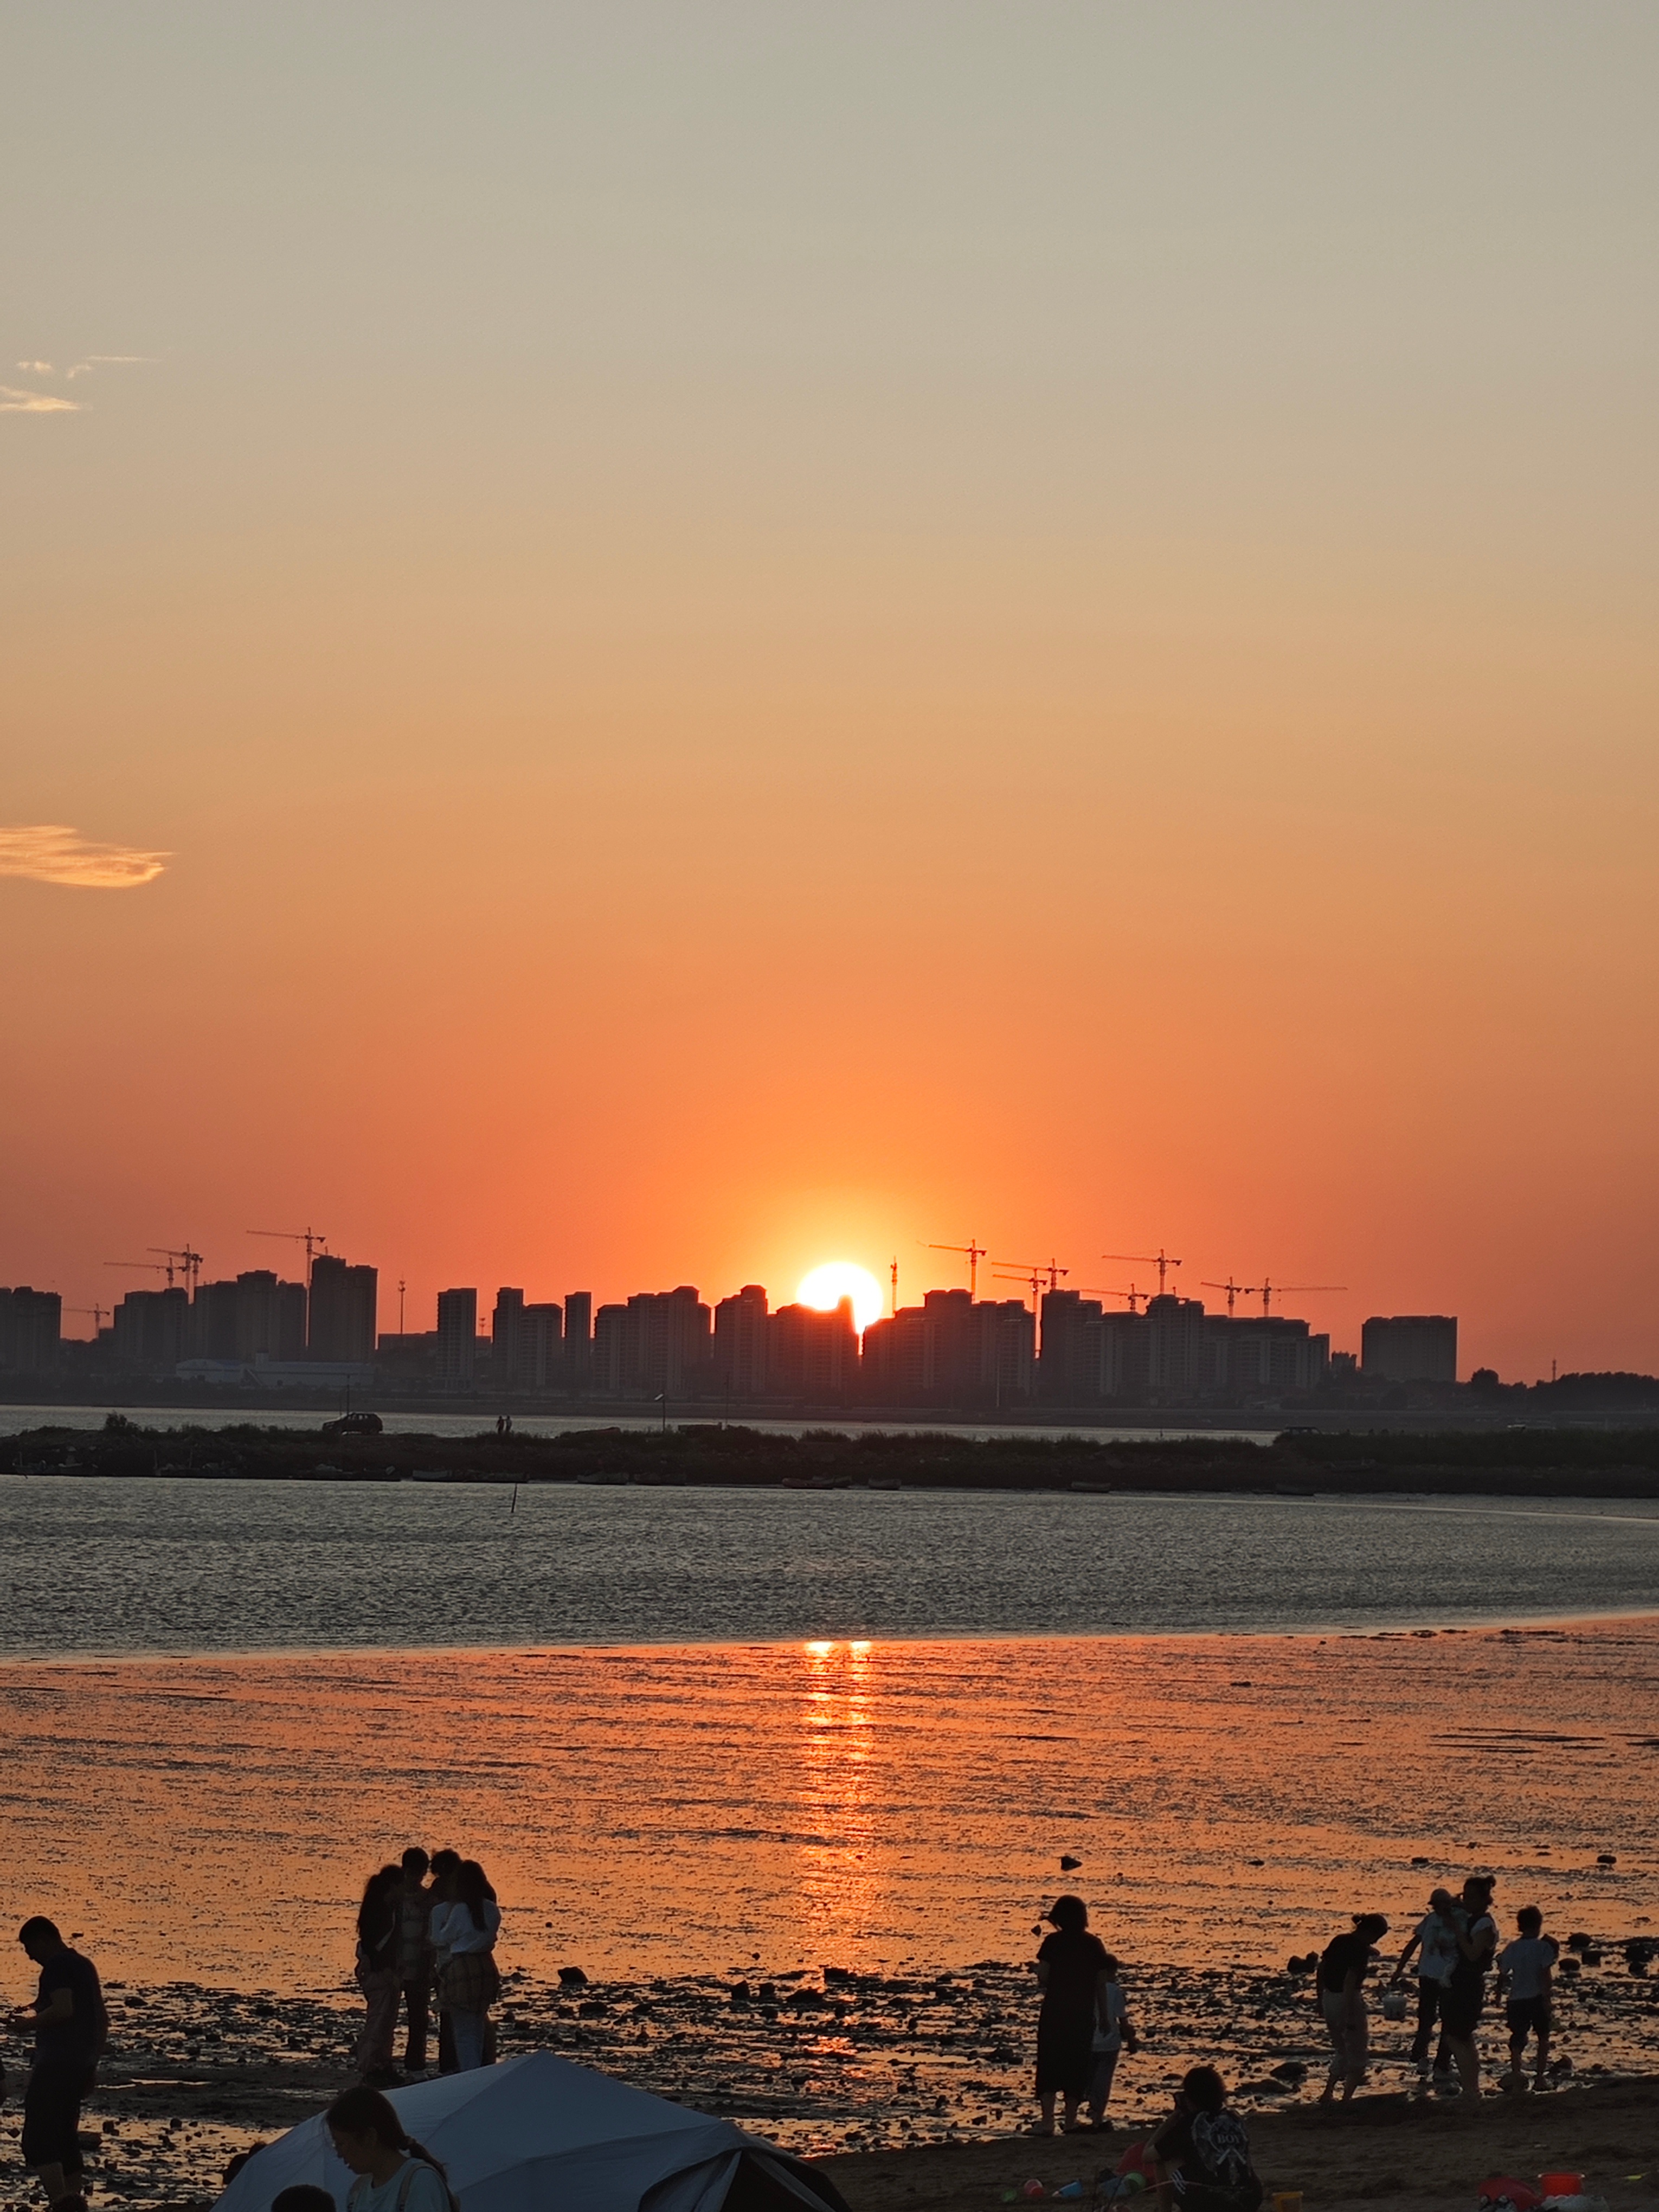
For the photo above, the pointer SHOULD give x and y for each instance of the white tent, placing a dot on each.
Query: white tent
(539, 2135)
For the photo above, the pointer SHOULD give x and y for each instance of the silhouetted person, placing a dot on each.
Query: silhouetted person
(1466, 1995)
(1205, 2149)
(415, 1956)
(1343, 1966)
(1434, 1940)
(394, 2173)
(71, 2027)
(1072, 1973)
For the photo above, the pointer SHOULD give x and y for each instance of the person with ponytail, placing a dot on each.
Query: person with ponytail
(394, 2173)
(464, 1930)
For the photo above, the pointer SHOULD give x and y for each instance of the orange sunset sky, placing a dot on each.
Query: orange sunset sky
(711, 637)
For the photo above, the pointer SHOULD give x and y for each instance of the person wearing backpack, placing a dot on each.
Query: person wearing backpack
(1204, 2150)
(394, 2173)
(1466, 1995)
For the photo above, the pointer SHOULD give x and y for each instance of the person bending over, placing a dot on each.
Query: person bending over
(1204, 2150)
(71, 2027)
(1343, 1967)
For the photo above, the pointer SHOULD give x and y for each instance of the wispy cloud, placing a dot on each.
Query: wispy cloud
(37, 368)
(14, 402)
(51, 853)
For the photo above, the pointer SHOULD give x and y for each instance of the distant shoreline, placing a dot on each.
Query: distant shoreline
(1615, 1465)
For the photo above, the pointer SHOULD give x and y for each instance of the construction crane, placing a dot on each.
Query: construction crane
(189, 1264)
(973, 1253)
(1031, 1272)
(1234, 1291)
(1264, 1290)
(1048, 1267)
(312, 1239)
(97, 1312)
(894, 1271)
(151, 1266)
(1160, 1260)
(1098, 1291)
(1032, 1278)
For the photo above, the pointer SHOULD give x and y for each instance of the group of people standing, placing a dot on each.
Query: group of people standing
(1456, 1947)
(426, 1930)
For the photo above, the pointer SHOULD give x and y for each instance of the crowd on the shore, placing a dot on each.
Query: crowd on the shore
(1203, 2148)
(426, 1935)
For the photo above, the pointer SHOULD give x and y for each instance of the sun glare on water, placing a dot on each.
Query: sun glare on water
(826, 1286)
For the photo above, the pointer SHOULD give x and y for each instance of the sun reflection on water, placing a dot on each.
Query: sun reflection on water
(838, 1875)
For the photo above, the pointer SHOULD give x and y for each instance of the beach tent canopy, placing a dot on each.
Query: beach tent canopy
(539, 2135)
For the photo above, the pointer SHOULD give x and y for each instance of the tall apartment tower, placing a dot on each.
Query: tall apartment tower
(1410, 1347)
(30, 1330)
(577, 1339)
(507, 1340)
(344, 1303)
(458, 1339)
(740, 1343)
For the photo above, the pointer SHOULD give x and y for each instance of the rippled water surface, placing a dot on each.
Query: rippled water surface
(852, 1803)
(173, 1564)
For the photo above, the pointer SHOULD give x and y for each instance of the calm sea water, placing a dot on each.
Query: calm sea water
(100, 1566)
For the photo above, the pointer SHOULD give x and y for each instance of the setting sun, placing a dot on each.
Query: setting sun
(826, 1286)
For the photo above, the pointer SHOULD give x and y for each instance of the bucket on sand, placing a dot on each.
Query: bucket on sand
(1393, 2004)
(1561, 2184)
(1287, 2200)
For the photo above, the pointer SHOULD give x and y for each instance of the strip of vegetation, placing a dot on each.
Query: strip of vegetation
(1525, 1464)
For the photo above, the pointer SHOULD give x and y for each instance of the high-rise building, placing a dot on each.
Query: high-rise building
(813, 1354)
(458, 1339)
(951, 1349)
(660, 1342)
(507, 1340)
(343, 1310)
(541, 1347)
(1124, 1348)
(1269, 1352)
(256, 1317)
(741, 1332)
(1409, 1347)
(526, 1344)
(577, 1339)
(1069, 1364)
(30, 1330)
(150, 1330)
(608, 1357)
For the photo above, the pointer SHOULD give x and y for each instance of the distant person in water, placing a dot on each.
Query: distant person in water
(1434, 1941)
(394, 2173)
(465, 1928)
(71, 2027)
(1072, 1973)
(1343, 1966)
(1113, 2034)
(380, 1936)
(1205, 2149)
(414, 1902)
